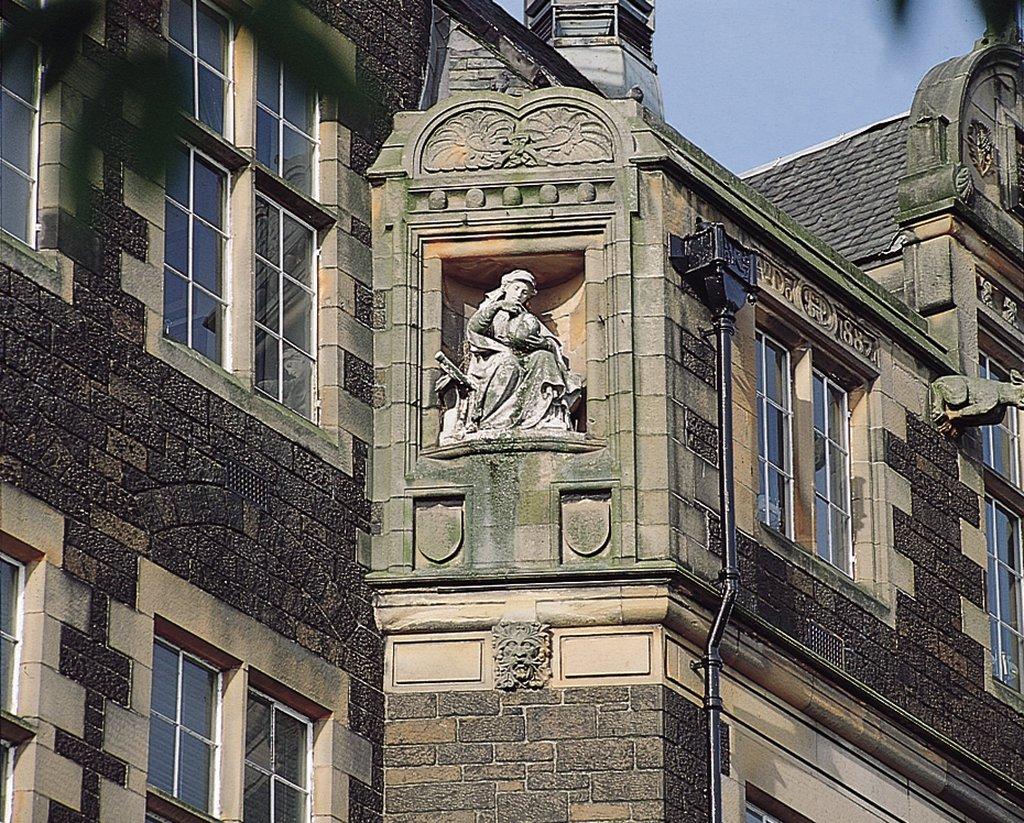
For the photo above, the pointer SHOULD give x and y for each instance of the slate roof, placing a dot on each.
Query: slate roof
(845, 190)
(490, 22)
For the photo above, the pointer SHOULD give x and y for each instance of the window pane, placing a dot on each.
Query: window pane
(836, 414)
(180, 22)
(177, 176)
(194, 771)
(267, 366)
(298, 377)
(298, 249)
(776, 431)
(160, 772)
(840, 549)
(8, 596)
(298, 103)
(821, 527)
(16, 121)
(197, 696)
(175, 307)
(6, 673)
(211, 99)
(267, 283)
(182, 71)
(207, 257)
(267, 234)
(266, 139)
(298, 307)
(165, 681)
(257, 797)
(212, 30)
(176, 238)
(289, 748)
(297, 160)
(15, 195)
(206, 325)
(208, 193)
(820, 465)
(819, 403)
(289, 804)
(837, 481)
(267, 80)
(1011, 659)
(19, 70)
(257, 732)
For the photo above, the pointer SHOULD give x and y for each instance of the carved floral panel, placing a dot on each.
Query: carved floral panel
(491, 139)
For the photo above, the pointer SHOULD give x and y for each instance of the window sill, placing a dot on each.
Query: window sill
(1013, 699)
(215, 145)
(170, 808)
(299, 204)
(14, 729)
(42, 267)
(822, 571)
(243, 395)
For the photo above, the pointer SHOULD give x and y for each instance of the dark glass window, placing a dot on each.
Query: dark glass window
(195, 241)
(277, 763)
(286, 123)
(775, 425)
(182, 726)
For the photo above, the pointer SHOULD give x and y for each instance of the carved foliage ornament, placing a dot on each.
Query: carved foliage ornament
(492, 139)
(981, 147)
(522, 654)
(1000, 302)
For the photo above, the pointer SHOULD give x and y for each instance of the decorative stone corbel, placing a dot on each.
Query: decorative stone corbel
(959, 402)
(522, 654)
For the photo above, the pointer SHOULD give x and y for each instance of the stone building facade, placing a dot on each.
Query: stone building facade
(249, 575)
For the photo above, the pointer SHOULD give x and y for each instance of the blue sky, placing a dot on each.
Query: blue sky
(752, 80)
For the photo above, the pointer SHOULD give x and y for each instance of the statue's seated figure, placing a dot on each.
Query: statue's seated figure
(516, 377)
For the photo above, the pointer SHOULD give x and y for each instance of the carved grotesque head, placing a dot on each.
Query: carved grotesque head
(521, 655)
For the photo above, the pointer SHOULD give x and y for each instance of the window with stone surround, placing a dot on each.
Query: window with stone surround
(195, 252)
(832, 472)
(184, 726)
(6, 764)
(240, 284)
(200, 55)
(19, 140)
(278, 762)
(805, 396)
(775, 434)
(1005, 592)
(11, 584)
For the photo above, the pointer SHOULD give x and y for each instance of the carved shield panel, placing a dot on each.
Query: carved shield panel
(438, 529)
(586, 522)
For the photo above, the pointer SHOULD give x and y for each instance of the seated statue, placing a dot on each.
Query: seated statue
(959, 402)
(516, 376)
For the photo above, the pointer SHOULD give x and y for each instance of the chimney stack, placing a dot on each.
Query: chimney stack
(609, 41)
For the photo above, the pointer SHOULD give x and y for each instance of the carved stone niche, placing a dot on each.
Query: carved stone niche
(560, 304)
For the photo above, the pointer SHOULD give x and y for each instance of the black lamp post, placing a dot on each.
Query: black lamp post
(723, 273)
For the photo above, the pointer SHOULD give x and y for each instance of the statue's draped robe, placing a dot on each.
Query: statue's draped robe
(521, 377)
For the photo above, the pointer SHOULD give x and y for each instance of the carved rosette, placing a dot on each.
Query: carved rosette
(522, 655)
(481, 139)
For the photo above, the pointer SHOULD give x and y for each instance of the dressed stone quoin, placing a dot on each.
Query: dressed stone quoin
(516, 377)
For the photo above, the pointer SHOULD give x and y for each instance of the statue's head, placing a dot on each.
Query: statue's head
(518, 285)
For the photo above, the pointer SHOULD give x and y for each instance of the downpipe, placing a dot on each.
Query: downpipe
(729, 576)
